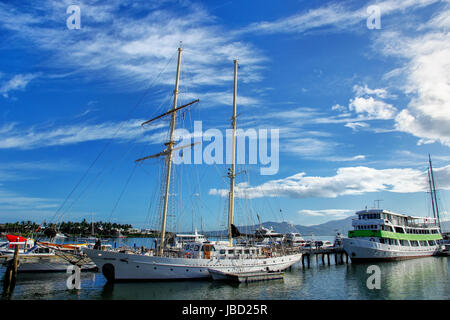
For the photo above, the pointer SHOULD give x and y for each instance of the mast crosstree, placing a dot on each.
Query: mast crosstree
(169, 150)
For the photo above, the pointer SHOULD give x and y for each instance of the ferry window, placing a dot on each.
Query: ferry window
(246, 251)
(431, 242)
(399, 229)
(186, 247)
(239, 251)
(404, 243)
(222, 251)
(381, 240)
(230, 251)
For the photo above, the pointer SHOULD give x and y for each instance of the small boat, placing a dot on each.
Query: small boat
(268, 236)
(35, 256)
(338, 240)
(245, 277)
(295, 239)
(181, 240)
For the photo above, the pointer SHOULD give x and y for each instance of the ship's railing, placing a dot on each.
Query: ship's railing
(422, 225)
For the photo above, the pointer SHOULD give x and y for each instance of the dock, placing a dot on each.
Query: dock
(340, 256)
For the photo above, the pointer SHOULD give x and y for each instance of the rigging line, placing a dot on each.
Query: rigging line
(92, 182)
(110, 141)
(123, 191)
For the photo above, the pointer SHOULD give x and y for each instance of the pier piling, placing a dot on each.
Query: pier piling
(9, 280)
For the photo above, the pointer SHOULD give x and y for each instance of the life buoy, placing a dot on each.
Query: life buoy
(187, 255)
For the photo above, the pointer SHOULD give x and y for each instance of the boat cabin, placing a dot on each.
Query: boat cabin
(384, 226)
(207, 250)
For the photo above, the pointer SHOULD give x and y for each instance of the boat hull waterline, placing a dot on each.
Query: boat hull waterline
(360, 250)
(124, 266)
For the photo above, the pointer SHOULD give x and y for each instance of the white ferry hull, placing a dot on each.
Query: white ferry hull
(361, 250)
(117, 266)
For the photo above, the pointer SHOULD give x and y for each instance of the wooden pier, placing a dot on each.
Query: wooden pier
(340, 256)
(9, 280)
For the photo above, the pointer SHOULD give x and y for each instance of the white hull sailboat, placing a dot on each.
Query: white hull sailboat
(194, 260)
(125, 266)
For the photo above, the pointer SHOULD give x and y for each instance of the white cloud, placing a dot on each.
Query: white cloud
(425, 77)
(331, 213)
(344, 159)
(11, 201)
(356, 125)
(363, 91)
(34, 138)
(335, 17)
(376, 109)
(131, 45)
(347, 181)
(338, 107)
(18, 82)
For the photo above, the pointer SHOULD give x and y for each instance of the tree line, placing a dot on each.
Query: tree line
(69, 228)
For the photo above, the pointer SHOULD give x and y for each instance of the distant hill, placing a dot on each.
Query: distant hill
(325, 229)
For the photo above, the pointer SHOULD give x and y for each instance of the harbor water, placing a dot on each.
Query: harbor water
(422, 279)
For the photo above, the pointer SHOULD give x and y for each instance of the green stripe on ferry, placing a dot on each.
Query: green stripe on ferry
(393, 235)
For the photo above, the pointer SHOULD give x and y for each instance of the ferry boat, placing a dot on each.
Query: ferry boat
(194, 260)
(384, 235)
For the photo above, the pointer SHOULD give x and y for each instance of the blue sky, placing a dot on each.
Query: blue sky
(358, 109)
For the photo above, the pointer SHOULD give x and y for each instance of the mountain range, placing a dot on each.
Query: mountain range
(325, 229)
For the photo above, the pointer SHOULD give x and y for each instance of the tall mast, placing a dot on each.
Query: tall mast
(434, 192)
(169, 145)
(431, 193)
(232, 174)
(92, 224)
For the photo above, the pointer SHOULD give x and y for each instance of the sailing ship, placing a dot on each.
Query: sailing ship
(195, 259)
(384, 235)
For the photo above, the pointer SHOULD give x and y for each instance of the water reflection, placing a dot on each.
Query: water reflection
(426, 278)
